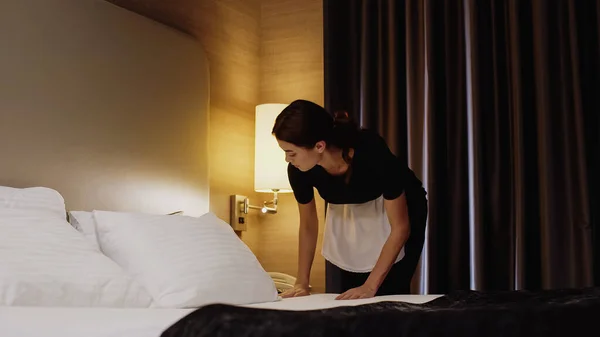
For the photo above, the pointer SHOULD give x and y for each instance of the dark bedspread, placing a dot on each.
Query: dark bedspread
(565, 313)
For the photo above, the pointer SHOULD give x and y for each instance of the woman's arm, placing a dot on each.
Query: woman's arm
(397, 211)
(308, 232)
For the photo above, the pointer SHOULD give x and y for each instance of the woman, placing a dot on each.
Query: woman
(377, 207)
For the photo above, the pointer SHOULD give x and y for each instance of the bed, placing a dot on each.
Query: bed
(117, 273)
(87, 245)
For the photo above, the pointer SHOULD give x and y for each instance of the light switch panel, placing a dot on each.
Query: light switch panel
(238, 217)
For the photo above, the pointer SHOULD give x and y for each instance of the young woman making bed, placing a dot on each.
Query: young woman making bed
(377, 207)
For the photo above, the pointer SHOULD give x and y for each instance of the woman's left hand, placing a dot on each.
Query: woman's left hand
(363, 291)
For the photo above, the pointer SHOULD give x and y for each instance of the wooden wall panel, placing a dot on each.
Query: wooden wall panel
(291, 67)
(229, 31)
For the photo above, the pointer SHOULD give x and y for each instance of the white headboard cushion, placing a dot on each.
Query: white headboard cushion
(105, 106)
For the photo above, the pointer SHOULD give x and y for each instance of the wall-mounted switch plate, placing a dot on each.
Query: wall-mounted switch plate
(238, 217)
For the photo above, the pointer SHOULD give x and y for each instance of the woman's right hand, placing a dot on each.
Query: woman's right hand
(297, 291)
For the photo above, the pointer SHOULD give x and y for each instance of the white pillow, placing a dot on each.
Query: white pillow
(84, 222)
(45, 262)
(38, 199)
(183, 261)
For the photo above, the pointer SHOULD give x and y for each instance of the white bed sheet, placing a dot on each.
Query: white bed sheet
(118, 322)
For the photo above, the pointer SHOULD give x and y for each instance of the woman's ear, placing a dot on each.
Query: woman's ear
(320, 146)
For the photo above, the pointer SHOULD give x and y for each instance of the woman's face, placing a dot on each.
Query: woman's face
(302, 158)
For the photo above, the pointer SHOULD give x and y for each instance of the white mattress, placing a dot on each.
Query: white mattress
(107, 322)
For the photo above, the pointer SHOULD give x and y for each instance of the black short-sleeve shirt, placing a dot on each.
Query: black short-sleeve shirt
(376, 171)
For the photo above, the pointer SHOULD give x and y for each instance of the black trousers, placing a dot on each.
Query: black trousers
(398, 280)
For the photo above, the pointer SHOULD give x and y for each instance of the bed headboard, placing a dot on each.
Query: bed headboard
(103, 105)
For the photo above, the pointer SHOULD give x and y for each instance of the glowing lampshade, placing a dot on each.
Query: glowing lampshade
(270, 167)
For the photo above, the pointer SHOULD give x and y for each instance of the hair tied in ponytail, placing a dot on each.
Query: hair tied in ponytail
(344, 134)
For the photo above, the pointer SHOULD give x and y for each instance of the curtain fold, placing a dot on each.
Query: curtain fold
(437, 147)
(494, 104)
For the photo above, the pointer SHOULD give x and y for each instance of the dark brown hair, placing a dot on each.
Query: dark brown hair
(304, 123)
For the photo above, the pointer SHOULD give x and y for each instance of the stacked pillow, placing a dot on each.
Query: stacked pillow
(44, 262)
(120, 259)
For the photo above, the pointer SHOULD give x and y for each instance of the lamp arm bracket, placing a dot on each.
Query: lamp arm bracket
(265, 207)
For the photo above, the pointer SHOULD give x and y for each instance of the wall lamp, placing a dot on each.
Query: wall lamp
(270, 168)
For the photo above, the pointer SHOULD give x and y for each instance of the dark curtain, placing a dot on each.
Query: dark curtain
(494, 104)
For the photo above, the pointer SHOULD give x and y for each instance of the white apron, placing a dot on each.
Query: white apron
(355, 234)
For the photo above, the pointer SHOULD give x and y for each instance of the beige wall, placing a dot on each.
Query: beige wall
(94, 111)
(291, 67)
(259, 52)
